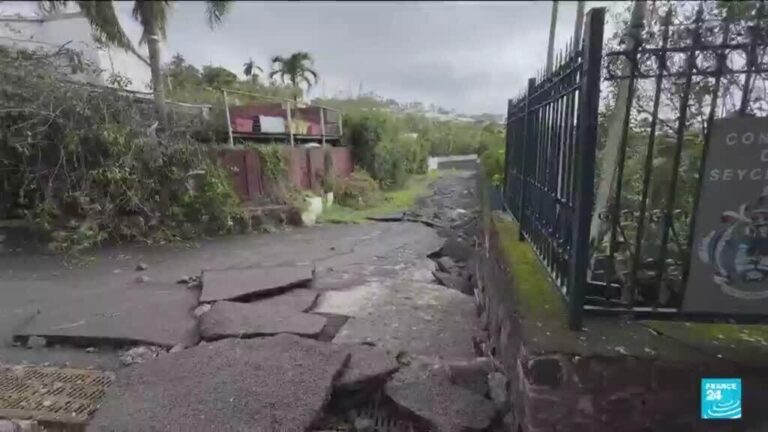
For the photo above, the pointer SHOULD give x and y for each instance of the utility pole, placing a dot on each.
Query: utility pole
(579, 23)
(615, 124)
(551, 44)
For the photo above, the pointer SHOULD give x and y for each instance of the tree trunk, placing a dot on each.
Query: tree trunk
(551, 44)
(153, 46)
(579, 23)
(295, 86)
(608, 158)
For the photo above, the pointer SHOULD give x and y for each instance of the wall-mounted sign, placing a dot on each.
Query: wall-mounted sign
(729, 260)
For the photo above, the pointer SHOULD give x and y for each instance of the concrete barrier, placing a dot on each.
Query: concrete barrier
(467, 162)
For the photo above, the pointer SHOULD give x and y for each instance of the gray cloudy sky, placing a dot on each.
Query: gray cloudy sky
(470, 56)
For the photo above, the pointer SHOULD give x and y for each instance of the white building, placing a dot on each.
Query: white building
(50, 32)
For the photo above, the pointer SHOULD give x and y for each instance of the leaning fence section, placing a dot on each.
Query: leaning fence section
(607, 193)
(694, 64)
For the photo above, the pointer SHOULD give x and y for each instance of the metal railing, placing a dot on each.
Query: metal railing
(551, 136)
(617, 237)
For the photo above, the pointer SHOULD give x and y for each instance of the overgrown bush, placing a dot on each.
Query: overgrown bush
(363, 132)
(492, 163)
(357, 191)
(415, 153)
(86, 164)
(379, 145)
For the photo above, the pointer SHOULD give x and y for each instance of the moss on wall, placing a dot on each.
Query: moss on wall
(536, 294)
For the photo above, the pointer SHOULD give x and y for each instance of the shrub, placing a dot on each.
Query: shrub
(84, 165)
(492, 162)
(416, 153)
(357, 191)
(390, 166)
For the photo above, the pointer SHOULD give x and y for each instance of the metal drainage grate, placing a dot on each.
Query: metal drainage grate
(51, 394)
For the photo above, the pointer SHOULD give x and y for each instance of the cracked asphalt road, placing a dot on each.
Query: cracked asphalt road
(377, 276)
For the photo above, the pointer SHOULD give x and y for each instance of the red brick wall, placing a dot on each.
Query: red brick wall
(564, 392)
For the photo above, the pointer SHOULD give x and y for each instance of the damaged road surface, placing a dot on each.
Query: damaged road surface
(274, 384)
(337, 327)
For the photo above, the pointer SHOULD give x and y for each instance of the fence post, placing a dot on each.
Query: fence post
(229, 121)
(507, 157)
(526, 132)
(589, 101)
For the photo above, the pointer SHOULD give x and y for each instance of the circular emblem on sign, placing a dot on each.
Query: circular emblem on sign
(738, 250)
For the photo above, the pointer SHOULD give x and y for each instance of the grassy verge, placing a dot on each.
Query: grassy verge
(391, 202)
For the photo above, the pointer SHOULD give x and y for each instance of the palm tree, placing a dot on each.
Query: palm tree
(249, 70)
(153, 18)
(295, 69)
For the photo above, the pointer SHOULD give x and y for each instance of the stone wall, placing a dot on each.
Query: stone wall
(616, 376)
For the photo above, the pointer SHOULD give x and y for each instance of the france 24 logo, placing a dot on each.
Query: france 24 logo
(720, 398)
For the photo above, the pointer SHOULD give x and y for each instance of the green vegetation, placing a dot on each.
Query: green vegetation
(380, 146)
(359, 191)
(434, 136)
(273, 160)
(249, 70)
(389, 202)
(294, 70)
(492, 161)
(84, 166)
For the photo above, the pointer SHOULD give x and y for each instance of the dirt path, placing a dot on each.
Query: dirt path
(382, 317)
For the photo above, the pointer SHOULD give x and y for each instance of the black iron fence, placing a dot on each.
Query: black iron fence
(551, 136)
(617, 236)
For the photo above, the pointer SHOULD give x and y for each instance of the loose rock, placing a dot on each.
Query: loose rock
(139, 354)
(455, 249)
(451, 281)
(142, 279)
(363, 424)
(472, 375)
(91, 350)
(446, 264)
(497, 384)
(203, 308)
(141, 266)
(367, 366)
(428, 394)
(18, 426)
(36, 342)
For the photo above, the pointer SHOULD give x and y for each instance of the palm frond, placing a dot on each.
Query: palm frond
(104, 22)
(151, 14)
(302, 56)
(307, 81)
(310, 71)
(215, 11)
(248, 67)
